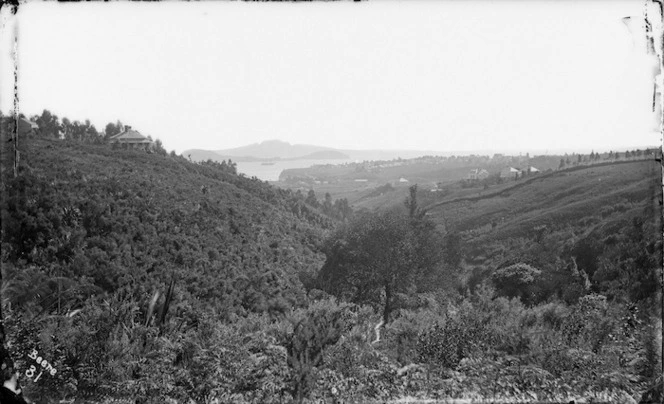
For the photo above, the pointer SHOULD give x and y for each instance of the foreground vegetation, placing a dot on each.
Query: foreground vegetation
(149, 278)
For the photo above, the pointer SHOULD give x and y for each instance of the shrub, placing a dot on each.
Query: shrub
(552, 315)
(314, 329)
(401, 335)
(515, 280)
(588, 325)
(456, 338)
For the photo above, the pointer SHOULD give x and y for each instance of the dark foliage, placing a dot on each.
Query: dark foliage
(375, 257)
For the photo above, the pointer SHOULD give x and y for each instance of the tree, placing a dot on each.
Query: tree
(411, 203)
(67, 128)
(159, 148)
(311, 199)
(342, 209)
(112, 129)
(90, 133)
(327, 204)
(377, 256)
(453, 255)
(49, 124)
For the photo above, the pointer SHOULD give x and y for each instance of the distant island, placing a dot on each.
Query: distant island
(268, 151)
(278, 150)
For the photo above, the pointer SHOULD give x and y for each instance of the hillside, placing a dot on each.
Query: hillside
(88, 223)
(438, 183)
(557, 199)
(603, 220)
(200, 217)
(142, 276)
(446, 176)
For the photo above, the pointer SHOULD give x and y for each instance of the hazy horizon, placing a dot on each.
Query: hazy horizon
(489, 152)
(447, 77)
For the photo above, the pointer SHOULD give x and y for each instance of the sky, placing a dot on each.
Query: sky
(425, 75)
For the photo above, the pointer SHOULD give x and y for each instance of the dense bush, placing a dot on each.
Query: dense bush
(321, 325)
(515, 280)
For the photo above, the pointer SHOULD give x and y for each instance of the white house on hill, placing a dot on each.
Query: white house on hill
(509, 172)
(477, 174)
(530, 170)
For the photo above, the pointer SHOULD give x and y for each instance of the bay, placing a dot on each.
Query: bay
(270, 172)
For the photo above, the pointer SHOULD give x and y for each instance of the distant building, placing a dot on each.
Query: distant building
(434, 187)
(509, 172)
(402, 180)
(131, 138)
(530, 170)
(27, 127)
(477, 174)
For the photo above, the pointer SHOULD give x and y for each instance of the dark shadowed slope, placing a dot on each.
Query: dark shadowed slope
(112, 219)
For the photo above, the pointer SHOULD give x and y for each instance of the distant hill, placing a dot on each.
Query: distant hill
(280, 150)
(268, 150)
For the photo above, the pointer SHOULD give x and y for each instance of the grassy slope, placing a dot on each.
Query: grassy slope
(559, 198)
(338, 180)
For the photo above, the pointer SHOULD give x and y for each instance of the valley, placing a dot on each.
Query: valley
(136, 273)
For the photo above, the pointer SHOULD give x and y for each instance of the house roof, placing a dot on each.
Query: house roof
(130, 136)
(25, 125)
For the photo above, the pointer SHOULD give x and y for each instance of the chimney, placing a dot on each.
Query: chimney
(127, 128)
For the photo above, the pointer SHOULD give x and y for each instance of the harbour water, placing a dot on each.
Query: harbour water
(270, 172)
